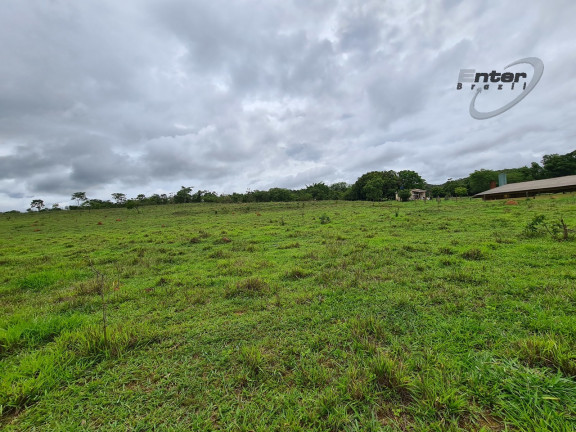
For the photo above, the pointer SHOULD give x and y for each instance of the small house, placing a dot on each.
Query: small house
(415, 194)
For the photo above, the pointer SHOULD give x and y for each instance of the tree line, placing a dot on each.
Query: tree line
(372, 186)
(552, 165)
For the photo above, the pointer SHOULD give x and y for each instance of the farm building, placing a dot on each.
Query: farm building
(530, 188)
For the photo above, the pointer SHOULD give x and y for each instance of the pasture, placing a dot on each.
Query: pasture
(315, 316)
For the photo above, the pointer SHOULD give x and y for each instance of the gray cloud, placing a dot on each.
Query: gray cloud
(145, 96)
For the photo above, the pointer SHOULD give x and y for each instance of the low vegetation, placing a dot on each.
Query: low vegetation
(334, 315)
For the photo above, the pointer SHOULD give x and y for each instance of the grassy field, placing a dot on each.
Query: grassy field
(312, 316)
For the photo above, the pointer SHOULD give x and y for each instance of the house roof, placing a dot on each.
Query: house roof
(549, 185)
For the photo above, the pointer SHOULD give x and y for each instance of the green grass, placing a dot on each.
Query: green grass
(312, 316)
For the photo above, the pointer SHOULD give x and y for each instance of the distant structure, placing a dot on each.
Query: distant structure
(415, 194)
(530, 188)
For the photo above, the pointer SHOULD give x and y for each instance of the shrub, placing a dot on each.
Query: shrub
(538, 226)
(535, 227)
(404, 195)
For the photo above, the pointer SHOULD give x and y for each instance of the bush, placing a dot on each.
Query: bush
(535, 227)
(538, 227)
(404, 195)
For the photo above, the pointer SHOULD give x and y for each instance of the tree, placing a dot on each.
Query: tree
(319, 191)
(280, 195)
(461, 191)
(204, 196)
(37, 204)
(480, 180)
(536, 171)
(183, 195)
(437, 191)
(451, 185)
(260, 196)
(79, 197)
(210, 197)
(517, 175)
(97, 204)
(339, 189)
(389, 185)
(374, 189)
(120, 198)
(556, 165)
(410, 180)
(158, 199)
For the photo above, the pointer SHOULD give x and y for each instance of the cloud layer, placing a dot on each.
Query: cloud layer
(147, 96)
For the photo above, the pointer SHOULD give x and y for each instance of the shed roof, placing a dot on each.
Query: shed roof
(539, 186)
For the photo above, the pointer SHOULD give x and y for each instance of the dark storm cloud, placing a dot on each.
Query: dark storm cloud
(144, 96)
(25, 161)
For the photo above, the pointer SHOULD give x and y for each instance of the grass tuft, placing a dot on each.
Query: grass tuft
(391, 374)
(38, 281)
(297, 273)
(548, 351)
(473, 254)
(251, 287)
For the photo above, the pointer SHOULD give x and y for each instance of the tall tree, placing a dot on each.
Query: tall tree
(461, 191)
(451, 185)
(281, 194)
(339, 189)
(319, 191)
(373, 190)
(388, 184)
(410, 180)
(120, 198)
(38, 204)
(556, 165)
(437, 191)
(536, 171)
(479, 180)
(79, 197)
(183, 195)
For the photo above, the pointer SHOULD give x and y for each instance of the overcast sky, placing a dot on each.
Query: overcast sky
(145, 96)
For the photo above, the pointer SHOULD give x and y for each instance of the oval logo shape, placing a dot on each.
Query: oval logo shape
(538, 66)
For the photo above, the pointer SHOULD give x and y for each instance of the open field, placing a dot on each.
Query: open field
(412, 316)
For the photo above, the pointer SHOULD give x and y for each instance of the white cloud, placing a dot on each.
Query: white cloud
(146, 96)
